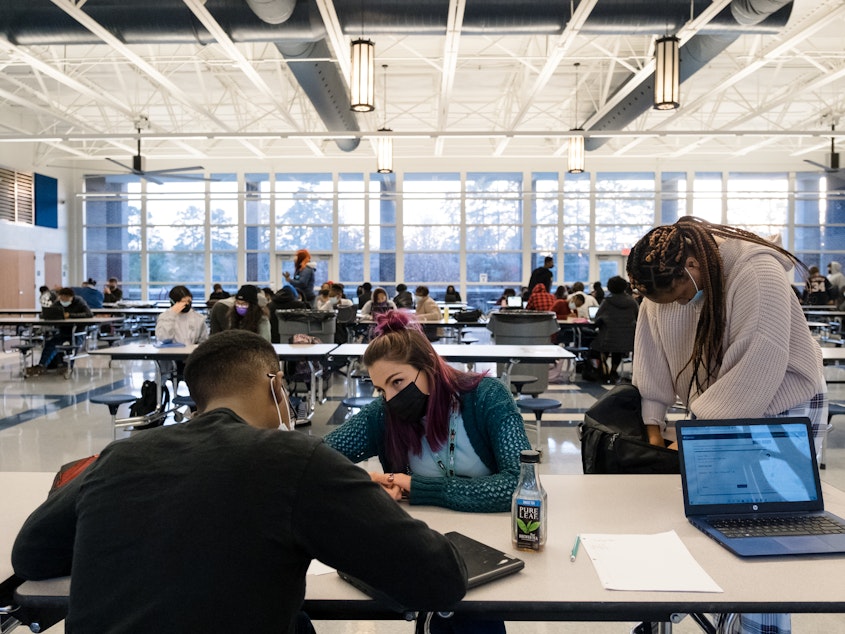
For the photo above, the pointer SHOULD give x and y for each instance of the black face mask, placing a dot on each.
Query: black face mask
(409, 405)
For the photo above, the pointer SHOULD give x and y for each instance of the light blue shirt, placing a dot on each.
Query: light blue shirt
(467, 463)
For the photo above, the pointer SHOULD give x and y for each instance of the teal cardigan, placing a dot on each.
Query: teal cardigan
(495, 429)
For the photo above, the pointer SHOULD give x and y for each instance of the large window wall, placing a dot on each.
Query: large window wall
(481, 231)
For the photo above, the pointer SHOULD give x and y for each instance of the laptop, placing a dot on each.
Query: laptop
(591, 312)
(514, 301)
(753, 486)
(483, 563)
(53, 312)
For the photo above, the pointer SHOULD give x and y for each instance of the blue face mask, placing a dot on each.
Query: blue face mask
(699, 292)
(65, 304)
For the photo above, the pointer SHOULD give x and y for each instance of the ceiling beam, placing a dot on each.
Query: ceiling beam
(558, 52)
(223, 40)
(454, 24)
(684, 34)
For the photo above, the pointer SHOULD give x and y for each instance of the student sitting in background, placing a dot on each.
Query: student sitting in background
(46, 297)
(378, 304)
(72, 307)
(426, 308)
(503, 300)
(452, 296)
(616, 320)
(323, 301)
(217, 293)
(540, 298)
(403, 298)
(246, 312)
(365, 294)
(112, 293)
(180, 323)
(336, 297)
(89, 292)
(232, 492)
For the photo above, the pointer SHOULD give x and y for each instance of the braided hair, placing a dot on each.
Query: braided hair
(658, 261)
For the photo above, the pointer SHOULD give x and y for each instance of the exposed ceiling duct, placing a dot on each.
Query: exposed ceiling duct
(699, 51)
(296, 29)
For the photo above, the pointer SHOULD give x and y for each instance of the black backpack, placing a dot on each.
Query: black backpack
(148, 402)
(614, 438)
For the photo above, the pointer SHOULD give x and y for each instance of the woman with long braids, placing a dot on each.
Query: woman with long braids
(721, 328)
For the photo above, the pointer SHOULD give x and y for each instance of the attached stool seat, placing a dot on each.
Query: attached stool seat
(468, 339)
(68, 352)
(538, 406)
(519, 381)
(113, 401)
(356, 402)
(27, 359)
(183, 401)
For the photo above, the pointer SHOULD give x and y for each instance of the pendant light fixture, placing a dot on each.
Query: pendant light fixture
(384, 146)
(362, 75)
(576, 142)
(667, 80)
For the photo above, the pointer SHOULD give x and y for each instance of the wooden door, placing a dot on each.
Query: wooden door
(52, 269)
(19, 271)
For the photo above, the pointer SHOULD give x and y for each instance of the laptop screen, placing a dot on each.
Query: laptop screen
(514, 301)
(591, 311)
(761, 464)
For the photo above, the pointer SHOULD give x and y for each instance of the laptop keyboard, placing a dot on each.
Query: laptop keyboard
(778, 526)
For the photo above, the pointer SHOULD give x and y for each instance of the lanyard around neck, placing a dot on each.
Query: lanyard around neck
(450, 449)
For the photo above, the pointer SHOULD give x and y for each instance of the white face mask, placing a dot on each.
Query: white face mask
(283, 426)
(699, 292)
(572, 306)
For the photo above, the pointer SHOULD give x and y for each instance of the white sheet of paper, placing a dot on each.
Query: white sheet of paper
(657, 562)
(318, 568)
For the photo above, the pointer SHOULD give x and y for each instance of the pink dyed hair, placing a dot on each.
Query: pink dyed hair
(399, 339)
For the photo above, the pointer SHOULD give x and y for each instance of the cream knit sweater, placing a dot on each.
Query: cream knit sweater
(771, 362)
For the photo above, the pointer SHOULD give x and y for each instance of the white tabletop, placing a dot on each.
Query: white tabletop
(71, 321)
(476, 352)
(833, 355)
(148, 351)
(552, 588)
(22, 492)
(128, 311)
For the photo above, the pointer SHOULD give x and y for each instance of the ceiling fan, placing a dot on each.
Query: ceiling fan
(154, 176)
(832, 159)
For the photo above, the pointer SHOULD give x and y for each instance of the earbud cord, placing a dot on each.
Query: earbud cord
(276, 402)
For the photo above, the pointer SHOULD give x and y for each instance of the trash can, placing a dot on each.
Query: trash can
(520, 328)
(316, 323)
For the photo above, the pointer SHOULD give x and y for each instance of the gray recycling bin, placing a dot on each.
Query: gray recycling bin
(316, 323)
(525, 327)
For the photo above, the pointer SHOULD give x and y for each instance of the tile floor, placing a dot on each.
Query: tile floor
(47, 421)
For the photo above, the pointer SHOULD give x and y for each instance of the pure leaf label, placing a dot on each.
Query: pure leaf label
(528, 524)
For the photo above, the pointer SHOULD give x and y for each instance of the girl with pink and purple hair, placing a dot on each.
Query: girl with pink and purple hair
(444, 437)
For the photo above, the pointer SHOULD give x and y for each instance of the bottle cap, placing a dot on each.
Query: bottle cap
(529, 455)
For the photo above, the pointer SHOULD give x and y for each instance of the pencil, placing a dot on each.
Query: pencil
(574, 553)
